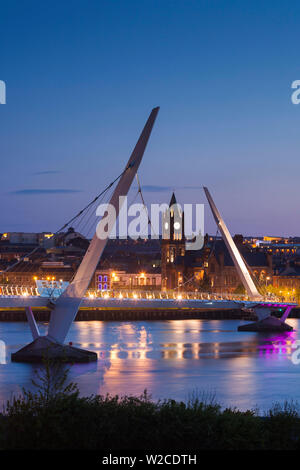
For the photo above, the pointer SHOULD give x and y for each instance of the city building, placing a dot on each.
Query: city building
(172, 245)
(153, 264)
(110, 279)
(287, 278)
(210, 268)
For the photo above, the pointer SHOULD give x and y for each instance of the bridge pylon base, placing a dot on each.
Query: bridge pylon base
(267, 324)
(43, 349)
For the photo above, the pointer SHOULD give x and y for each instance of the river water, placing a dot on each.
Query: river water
(171, 359)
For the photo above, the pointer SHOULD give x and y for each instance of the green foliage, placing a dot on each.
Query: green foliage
(56, 417)
(51, 382)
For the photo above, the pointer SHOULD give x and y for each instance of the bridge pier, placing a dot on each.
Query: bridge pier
(43, 348)
(267, 322)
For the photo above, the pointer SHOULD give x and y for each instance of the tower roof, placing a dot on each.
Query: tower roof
(173, 200)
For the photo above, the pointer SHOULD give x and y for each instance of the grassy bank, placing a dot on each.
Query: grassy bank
(56, 417)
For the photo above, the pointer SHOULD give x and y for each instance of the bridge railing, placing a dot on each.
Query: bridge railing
(171, 295)
(25, 291)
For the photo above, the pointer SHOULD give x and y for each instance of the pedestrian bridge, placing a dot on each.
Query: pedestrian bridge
(65, 300)
(20, 296)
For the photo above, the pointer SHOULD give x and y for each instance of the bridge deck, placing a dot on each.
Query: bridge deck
(11, 302)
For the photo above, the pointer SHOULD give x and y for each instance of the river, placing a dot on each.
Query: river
(171, 359)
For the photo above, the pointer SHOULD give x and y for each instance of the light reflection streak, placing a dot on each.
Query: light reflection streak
(278, 345)
(171, 359)
(141, 346)
(134, 351)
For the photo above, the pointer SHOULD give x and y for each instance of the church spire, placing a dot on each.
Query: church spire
(173, 200)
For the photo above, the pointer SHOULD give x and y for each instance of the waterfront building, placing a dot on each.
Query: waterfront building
(287, 278)
(222, 273)
(110, 279)
(25, 238)
(210, 268)
(153, 264)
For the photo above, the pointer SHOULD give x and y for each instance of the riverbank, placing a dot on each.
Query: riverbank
(97, 314)
(63, 420)
(43, 314)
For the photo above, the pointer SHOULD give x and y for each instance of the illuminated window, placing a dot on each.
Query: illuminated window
(100, 286)
(105, 287)
(100, 278)
(105, 278)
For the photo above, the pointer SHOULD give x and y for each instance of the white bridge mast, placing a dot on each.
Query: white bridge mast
(67, 305)
(234, 252)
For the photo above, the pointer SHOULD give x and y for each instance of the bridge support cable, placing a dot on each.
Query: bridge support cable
(69, 302)
(139, 192)
(82, 212)
(234, 252)
(102, 193)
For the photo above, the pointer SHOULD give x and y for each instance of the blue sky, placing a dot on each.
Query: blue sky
(82, 77)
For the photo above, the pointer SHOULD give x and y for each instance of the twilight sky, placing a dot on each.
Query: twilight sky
(82, 77)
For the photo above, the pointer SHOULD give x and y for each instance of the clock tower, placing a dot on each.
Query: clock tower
(173, 245)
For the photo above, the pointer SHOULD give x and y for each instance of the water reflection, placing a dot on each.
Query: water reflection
(171, 359)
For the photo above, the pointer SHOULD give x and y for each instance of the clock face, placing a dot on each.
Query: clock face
(177, 225)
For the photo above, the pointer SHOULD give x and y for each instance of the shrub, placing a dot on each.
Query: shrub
(56, 417)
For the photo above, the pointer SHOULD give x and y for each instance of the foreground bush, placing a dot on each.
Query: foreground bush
(56, 417)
